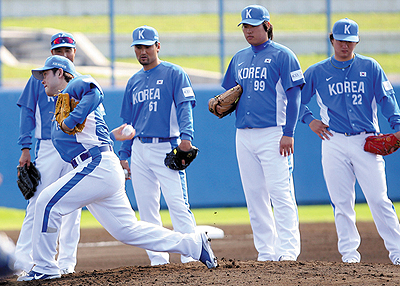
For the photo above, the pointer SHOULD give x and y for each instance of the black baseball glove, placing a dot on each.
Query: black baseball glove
(173, 160)
(28, 180)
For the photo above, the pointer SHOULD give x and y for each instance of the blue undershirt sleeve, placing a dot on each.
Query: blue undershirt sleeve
(184, 113)
(26, 126)
(292, 110)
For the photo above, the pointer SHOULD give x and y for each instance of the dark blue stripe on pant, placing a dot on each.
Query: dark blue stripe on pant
(68, 186)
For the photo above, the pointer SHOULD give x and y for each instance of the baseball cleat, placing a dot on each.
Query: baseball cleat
(351, 260)
(207, 255)
(33, 275)
(67, 271)
(287, 258)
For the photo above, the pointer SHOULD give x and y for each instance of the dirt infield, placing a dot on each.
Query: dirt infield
(104, 261)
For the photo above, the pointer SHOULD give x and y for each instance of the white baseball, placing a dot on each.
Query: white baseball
(128, 129)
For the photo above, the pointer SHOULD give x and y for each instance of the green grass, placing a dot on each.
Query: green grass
(11, 219)
(204, 23)
(200, 23)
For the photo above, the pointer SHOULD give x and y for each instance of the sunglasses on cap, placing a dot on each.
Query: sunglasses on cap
(61, 40)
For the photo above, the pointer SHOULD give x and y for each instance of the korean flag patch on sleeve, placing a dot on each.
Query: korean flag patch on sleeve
(188, 91)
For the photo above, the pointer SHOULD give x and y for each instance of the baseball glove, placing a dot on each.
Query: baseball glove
(227, 101)
(64, 106)
(382, 144)
(173, 160)
(28, 180)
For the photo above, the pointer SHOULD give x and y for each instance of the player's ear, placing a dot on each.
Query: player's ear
(60, 72)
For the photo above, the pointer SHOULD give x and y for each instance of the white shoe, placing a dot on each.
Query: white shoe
(33, 275)
(67, 271)
(287, 258)
(351, 260)
(23, 273)
(207, 255)
(396, 261)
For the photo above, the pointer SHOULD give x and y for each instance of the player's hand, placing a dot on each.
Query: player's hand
(25, 158)
(119, 136)
(397, 134)
(286, 146)
(65, 127)
(320, 129)
(185, 145)
(125, 166)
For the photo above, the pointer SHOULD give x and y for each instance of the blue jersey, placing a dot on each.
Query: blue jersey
(90, 96)
(348, 94)
(265, 72)
(158, 103)
(36, 112)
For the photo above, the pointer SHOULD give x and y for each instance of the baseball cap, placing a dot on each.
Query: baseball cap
(62, 39)
(345, 30)
(55, 62)
(144, 35)
(254, 15)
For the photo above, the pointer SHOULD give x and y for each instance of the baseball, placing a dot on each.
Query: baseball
(128, 129)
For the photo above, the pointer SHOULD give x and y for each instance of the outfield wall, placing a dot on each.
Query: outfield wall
(213, 178)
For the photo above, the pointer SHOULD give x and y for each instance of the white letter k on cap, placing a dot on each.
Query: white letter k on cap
(141, 34)
(347, 29)
(248, 11)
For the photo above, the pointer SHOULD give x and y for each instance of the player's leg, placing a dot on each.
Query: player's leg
(278, 179)
(257, 197)
(118, 218)
(173, 187)
(370, 173)
(48, 165)
(69, 232)
(147, 191)
(90, 181)
(340, 180)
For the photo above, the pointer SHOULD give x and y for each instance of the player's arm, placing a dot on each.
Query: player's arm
(90, 101)
(317, 126)
(292, 114)
(185, 121)
(125, 152)
(27, 125)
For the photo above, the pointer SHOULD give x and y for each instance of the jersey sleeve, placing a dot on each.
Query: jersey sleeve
(308, 90)
(27, 103)
(89, 95)
(183, 90)
(291, 74)
(385, 96)
(229, 80)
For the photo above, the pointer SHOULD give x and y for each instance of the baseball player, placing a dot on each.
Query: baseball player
(97, 180)
(349, 87)
(36, 112)
(158, 103)
(266, 116)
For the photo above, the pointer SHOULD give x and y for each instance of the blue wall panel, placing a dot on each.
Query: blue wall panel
(213, 178)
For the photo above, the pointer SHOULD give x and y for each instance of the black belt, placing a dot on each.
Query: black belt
(354, 133)
(92, 152)
(156, 139)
